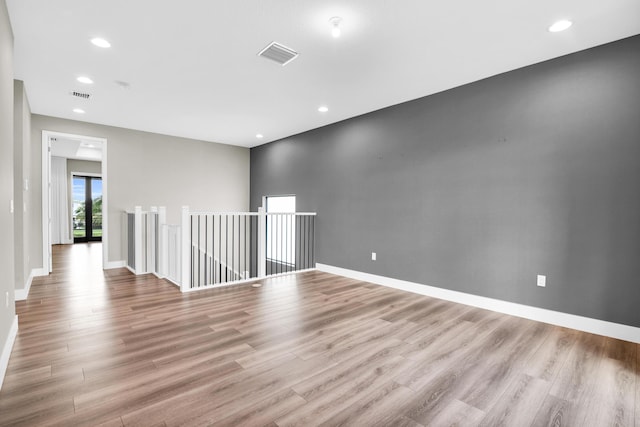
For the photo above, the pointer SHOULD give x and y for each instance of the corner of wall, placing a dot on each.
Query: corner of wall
(6, 349)
(22, 294)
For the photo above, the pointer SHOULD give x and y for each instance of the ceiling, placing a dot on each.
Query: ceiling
(192, 67)
(78, 149)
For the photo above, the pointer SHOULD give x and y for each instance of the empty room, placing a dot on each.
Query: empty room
(301, 213)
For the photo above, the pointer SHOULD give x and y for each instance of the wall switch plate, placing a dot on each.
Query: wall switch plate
(6, 300)
(542, 281)
(11, 208)
(373, 256)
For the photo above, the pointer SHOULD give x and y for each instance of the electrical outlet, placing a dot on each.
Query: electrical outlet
(373, 256)
(542, 281)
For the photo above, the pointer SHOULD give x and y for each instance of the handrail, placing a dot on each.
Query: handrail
(218, 248)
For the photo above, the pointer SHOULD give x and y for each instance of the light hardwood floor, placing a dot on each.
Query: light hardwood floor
(112, 349)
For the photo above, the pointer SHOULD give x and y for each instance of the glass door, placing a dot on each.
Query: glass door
(87, 208)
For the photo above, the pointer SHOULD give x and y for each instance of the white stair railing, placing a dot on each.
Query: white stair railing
(210, 249)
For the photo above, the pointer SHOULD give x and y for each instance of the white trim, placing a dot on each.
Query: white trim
(46, 173)
(22, 294)
(6, 349)
(115, 264)
(105, 208)
(586, 324)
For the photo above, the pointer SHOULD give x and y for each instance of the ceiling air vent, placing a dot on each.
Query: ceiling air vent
(278, 53)
(80, 95)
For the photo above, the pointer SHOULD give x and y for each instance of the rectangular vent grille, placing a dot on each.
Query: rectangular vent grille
(80, 95)
(278, 53)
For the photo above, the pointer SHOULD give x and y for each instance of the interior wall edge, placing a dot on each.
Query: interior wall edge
(22, 294)
(6, 349)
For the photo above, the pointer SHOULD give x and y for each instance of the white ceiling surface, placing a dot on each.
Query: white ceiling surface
(78, 149)
(194, 72)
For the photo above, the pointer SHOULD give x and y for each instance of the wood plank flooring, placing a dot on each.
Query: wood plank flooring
(112, 349)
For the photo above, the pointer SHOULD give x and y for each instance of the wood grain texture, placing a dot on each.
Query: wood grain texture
(113, 349)
(638, 385)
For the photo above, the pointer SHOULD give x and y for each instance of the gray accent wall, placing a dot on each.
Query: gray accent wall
(149, 169)
(480, 188)
(7, 277)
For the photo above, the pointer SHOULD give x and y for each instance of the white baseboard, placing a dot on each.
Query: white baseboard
(6, 349)
(115, 264)
(586, 324)
(22, 294)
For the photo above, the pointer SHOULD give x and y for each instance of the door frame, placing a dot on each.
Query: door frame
(82, 175)
(47, 264)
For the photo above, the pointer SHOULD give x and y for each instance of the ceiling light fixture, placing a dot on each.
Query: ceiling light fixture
(100, 42)
(84, 79)
(259, 136)
(560, 26)
(78, 110)
(323, 109)
(335, 26)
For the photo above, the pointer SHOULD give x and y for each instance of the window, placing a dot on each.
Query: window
(281, 230)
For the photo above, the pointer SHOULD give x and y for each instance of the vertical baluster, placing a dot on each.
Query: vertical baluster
(270, 234)
(281, 235)
(290, 242)
(245, 247)
(206, 247)
(298, 240)
(303, 245)
(286, 242)
(213, 249)
(313, 242)
(306, 240)
(226, 248)
(192, 252)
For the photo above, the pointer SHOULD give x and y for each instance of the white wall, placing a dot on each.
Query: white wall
(21, 184)
(7, 278)
(149, 169)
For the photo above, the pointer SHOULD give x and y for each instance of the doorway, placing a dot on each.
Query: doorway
(75, 147)
(87, 208)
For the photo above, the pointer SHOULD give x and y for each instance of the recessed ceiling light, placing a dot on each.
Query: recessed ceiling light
(84, 79)
(335, 26)
(100, 42)
(259, 136)
(78, 110)
(323, 109)
(560, 26)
